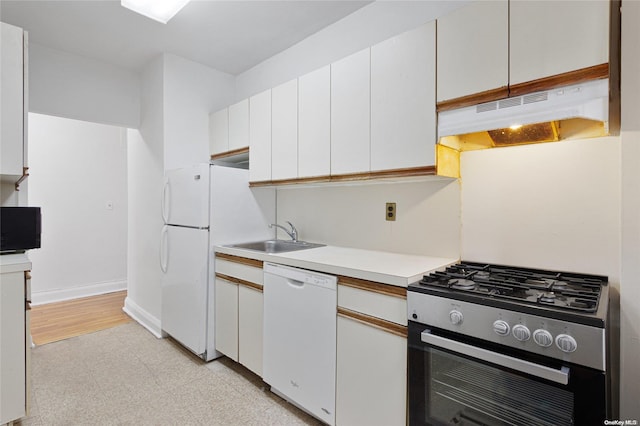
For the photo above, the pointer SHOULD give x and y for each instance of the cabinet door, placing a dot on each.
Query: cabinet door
(350, 113)
(549, 38)
(239, 125)
(12, 100)
(403, 101)
(284, 131)
(219, 131)
(473, 49)
(12, 347)
(226, 318)
(260, 137)
(250, 308)
(314, 145)
(371, 383)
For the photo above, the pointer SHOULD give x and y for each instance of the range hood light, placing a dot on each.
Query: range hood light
(158, 10)
(515, 126)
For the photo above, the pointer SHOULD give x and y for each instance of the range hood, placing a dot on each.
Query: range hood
(569, 112)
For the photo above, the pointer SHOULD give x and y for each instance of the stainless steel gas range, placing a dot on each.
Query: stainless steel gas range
(501, 345)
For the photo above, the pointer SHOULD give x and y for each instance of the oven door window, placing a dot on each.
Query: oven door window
(465, 392)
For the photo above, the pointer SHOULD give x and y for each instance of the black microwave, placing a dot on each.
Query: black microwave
(20, 228)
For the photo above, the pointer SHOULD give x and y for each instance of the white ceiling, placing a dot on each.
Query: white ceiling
(230, 36)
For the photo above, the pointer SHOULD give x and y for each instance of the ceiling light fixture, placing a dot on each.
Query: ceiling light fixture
(159, 10)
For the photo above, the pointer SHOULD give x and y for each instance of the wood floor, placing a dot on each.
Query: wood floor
(62, 320)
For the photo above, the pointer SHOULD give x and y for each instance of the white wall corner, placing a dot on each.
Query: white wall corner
(143, 318)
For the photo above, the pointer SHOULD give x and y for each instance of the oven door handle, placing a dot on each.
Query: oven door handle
(559, 376)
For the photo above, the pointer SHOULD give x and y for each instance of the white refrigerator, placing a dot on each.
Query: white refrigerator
(204, 206)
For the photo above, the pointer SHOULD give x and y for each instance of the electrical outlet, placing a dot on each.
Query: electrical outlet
(390, 211)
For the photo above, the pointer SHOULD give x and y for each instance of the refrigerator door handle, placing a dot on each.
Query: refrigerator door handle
(164, 248)
(165, 205)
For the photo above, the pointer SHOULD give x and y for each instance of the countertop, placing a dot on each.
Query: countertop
(379, 266)
(14, 263)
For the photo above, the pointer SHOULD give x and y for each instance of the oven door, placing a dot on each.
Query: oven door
(457, 380)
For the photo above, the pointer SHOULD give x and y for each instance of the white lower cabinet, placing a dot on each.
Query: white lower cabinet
(226, 321)
(238, 310)
(250, 314)
(371, 343)
(371, 375)
(14, 349)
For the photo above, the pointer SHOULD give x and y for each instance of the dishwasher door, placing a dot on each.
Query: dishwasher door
(299, 360)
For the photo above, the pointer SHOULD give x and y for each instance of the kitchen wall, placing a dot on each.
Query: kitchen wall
(78, 176)
(629, 285)
(191, 91)
(9, 197)
(177, 96)
(427, 222)
(552, 206)
(67, 85)
(146, 170)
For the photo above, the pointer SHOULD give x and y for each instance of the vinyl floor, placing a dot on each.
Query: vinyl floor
(126, 376)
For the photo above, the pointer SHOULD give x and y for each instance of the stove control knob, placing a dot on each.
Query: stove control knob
(543, 338)
(521, 332)
(501, 327)
(566, 343)
(456, 317)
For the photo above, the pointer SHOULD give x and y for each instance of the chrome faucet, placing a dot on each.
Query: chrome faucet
(293, 233)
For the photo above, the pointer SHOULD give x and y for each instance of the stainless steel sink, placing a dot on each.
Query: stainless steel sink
(276, 246)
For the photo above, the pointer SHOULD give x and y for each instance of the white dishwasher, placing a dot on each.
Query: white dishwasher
(299, 359)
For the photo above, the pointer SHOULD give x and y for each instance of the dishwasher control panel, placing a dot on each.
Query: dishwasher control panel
(297, 276)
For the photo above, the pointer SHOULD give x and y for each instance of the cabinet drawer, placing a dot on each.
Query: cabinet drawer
(373, 303)
(239, 270)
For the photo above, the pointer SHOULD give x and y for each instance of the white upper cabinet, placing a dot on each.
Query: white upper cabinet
(239, 125)
(219, 131)
(350, 114)
(314, 123)
(260, 137)
(284, 131)
(473, 49)
(554, 37)
(12, 107)
(403, 101)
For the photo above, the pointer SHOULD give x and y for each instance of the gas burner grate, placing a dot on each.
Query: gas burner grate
(560, 290)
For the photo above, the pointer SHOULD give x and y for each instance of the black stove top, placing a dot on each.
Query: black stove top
(567, 294)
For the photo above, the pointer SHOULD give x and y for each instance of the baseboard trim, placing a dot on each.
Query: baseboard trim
(143, 318)
(42, 297)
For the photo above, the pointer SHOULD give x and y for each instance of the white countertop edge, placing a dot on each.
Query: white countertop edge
(354, 272)
(14, 263)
